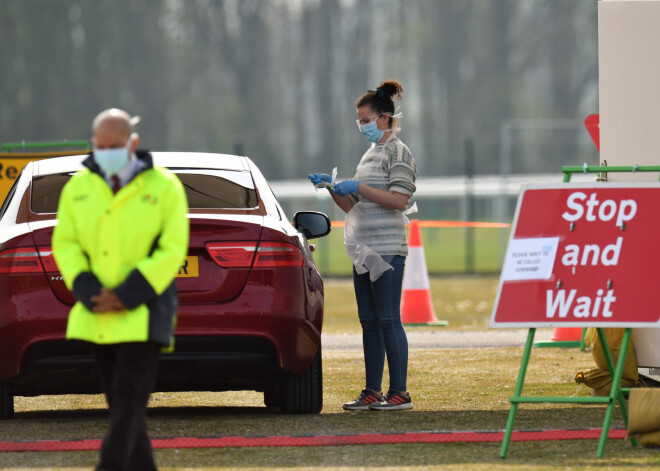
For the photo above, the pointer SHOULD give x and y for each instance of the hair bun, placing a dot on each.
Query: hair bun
(390, 89)
(381, 93)
(381, 99)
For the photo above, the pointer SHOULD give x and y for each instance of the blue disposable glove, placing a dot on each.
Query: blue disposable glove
(346, 187)
(317, 178)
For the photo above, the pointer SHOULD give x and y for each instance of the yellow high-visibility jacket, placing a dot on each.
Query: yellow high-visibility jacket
(133, 242)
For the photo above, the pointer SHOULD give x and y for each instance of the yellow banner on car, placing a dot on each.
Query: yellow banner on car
(11, 165)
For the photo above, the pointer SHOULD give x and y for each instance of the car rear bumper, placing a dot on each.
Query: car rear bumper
(198, 364)
(294, 340)
(208, 356)
(258, 339)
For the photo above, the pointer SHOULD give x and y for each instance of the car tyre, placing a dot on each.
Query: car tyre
(272, 397)
(303, 394)
(6, 400)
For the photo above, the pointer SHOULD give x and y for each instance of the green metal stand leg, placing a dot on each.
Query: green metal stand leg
(583, 345)
(609, 359)
(615, 393)
(518, 391)
(607, 353)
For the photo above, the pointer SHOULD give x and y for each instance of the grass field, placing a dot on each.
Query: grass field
(445, 250)
(461, 389)
(466, 302)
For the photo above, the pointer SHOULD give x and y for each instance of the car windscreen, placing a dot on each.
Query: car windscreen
(205, 189)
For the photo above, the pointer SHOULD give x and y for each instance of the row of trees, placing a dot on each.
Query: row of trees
(277, 80)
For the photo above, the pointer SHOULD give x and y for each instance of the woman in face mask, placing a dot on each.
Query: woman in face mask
(375, 237)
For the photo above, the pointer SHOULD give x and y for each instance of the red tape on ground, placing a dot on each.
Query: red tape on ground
(320, 440)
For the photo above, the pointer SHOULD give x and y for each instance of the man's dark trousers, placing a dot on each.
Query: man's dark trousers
(128, 372)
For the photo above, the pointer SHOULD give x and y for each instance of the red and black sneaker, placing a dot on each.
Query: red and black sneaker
(366, 398)
(394, 400)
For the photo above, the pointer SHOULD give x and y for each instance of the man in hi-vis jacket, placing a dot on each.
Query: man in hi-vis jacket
(121, 238)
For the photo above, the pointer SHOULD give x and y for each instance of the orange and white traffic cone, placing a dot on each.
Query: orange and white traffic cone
(416, 305)
(564, 337)
(567, 333)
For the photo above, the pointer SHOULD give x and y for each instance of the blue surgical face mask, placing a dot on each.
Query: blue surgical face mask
(113, 160)
(371, 132)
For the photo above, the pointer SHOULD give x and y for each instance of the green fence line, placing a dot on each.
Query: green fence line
(6, 147)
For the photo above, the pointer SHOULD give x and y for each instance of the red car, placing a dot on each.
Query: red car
(250, 296)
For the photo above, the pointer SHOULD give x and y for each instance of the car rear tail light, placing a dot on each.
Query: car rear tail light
(247, 254)
(47, 258)
(27, 260)
(278, 254)
(232, 254)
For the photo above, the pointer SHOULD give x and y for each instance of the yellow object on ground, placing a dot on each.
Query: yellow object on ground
(644, 416)
(599, 379)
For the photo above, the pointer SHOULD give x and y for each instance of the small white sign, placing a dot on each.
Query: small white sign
(530, 259)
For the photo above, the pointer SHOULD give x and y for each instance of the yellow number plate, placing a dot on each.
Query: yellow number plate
(189, 269)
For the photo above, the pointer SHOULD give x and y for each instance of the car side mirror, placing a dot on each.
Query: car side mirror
(311, 224)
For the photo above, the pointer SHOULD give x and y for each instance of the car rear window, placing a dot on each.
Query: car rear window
(212, 189)
(46, 190)
(9, 197)
(218, 189)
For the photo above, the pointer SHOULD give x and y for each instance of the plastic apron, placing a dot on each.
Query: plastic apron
(372, 231)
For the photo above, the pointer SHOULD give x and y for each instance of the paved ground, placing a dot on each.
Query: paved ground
(442, 339)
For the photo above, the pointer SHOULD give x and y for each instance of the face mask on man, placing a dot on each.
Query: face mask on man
(113, 160)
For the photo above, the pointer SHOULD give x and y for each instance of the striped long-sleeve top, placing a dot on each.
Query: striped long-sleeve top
(389, 167)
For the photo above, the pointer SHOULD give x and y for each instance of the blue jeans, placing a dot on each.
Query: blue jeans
(379, 305)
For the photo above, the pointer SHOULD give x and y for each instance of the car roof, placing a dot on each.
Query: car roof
(189, 160)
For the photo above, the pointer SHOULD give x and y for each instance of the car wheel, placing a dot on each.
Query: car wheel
(272, 397)
(6, 400)
(303, 394)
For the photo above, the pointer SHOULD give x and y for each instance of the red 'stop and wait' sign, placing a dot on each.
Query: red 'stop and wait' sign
(582, 255)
